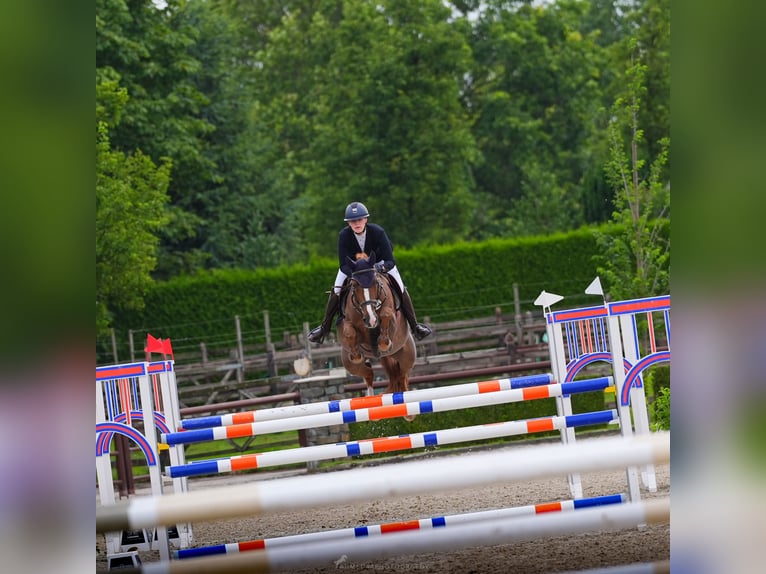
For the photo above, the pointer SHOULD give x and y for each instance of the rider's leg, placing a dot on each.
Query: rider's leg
(318, 334)
(419, 330)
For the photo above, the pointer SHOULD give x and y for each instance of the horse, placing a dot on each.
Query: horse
(373, 327)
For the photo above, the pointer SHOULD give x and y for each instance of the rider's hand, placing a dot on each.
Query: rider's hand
(381, 266)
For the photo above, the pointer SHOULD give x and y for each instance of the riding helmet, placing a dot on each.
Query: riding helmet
(356, 210)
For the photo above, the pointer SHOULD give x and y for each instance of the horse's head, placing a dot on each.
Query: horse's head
(368, 293)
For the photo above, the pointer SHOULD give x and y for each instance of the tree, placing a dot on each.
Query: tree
(544, 205)
(131, 193)
(534, 93)
(130, 200)
(362, 101)
(635, 262)
(185, 70)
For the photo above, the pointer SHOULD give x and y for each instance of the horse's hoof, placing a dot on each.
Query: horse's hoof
(355, 359)
(409, 418)
(384, 346)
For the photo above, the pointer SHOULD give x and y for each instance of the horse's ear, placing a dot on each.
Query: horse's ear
(372, 258)
(353, 263)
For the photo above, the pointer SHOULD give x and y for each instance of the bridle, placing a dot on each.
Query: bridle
(369, 307)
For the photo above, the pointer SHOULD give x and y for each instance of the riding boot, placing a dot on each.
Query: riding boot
(419, 330)
(317, 334)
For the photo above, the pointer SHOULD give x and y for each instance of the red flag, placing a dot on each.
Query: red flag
(153, 345)
(167, 348)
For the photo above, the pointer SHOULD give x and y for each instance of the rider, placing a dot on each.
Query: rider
(362, 238)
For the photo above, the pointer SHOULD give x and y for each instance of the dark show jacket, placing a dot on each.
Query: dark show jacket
(377, 240)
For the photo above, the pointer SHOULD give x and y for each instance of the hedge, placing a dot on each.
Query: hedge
(459, 281)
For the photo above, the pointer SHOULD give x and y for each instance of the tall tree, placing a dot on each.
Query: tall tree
(635, 262)
(652, 21)
(184, 67)
(364, 100)
(131, 193)
(535, 91)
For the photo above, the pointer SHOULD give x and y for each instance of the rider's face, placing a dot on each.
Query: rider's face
(358, 225)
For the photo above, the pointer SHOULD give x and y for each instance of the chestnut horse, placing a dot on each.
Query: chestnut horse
(373, 327)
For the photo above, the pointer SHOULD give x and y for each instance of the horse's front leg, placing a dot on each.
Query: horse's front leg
(350, 344)
(387, 327)
(368, 378)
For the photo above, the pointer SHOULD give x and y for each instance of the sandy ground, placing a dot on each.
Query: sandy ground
(546, 555)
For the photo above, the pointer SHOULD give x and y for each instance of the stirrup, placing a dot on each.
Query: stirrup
(317, 335)
(421, 331)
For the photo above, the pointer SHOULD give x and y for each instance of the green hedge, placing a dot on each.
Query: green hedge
(459, 281)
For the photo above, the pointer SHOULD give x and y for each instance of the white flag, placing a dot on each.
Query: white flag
(545, 299)
(595, 287)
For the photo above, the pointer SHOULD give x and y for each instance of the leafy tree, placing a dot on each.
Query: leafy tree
(185, 70)
(652, 21)
(363, 102)
(544, 205)
(635, 263)
(643, 30)
(131, 192)
(534, 92)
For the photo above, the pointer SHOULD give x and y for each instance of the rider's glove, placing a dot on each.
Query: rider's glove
(381, 266)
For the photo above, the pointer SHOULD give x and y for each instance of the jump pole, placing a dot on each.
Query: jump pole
(364, 484)
(491, 532)
(389, 444)
(659, 567)
(385, 412)
(386, 399)
(350, 534)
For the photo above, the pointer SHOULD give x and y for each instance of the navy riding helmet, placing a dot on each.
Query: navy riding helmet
(356, 210)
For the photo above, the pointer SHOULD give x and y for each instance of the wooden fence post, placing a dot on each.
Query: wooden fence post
(517, 313)
(114, 348)
(132, 346)
(240, 352)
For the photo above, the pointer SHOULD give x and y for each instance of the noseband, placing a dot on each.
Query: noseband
(366, 279)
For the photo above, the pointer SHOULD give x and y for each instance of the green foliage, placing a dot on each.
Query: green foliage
(636, 263)
(544, 205)
(374, 115)
(452, 123)
(660, 410)
(130, 200)
(455, 282)
(534, 92)
(131, 193)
